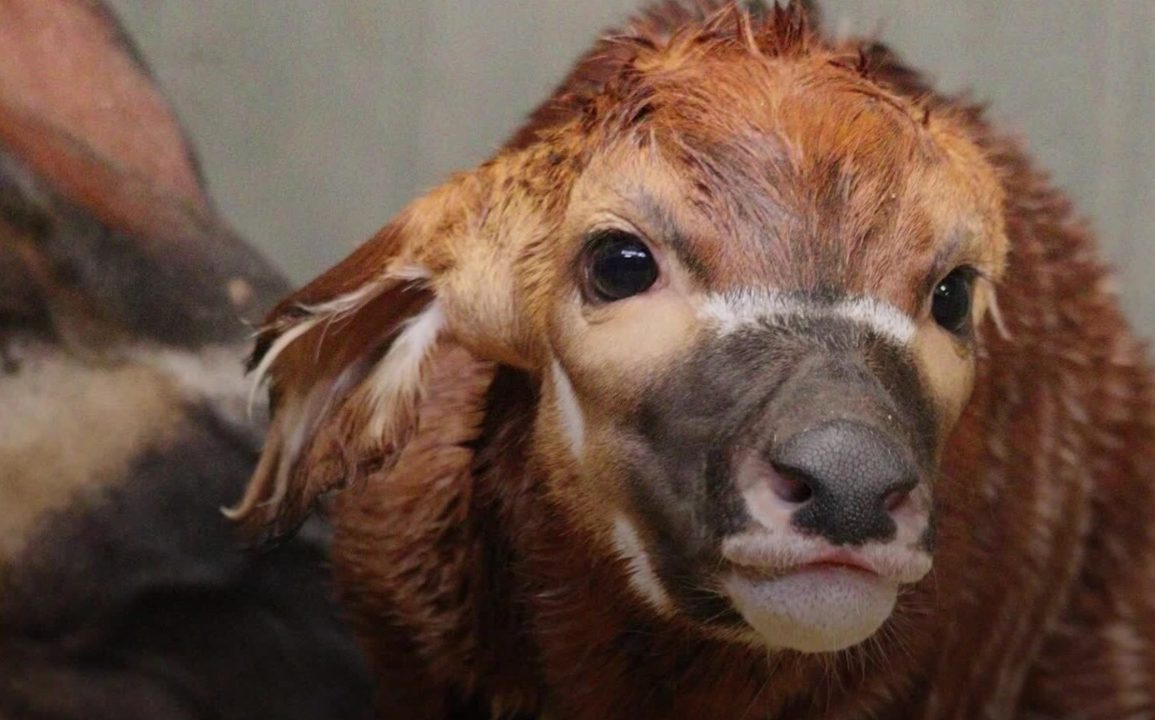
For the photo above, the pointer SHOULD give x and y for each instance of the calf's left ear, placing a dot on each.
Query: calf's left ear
(347, 358)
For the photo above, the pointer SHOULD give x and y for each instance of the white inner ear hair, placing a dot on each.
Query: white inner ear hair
(737, 310)
(395, 385)
(328, 312)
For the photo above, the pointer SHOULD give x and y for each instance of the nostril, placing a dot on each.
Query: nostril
(898, 496)
(895, 499)
(790, 486)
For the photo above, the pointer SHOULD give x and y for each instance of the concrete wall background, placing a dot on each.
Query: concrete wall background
(319, 119)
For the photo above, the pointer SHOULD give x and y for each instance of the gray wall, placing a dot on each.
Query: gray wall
(318, 119)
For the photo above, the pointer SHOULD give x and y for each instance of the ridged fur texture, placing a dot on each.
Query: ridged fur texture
(479, 597)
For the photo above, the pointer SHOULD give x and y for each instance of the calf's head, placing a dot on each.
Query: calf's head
(748, 280)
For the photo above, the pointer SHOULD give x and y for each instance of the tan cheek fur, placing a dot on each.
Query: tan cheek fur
(610, 349)
(946, 364)
(964, 187)
(609, 355)
(609, 352)
(947, 367)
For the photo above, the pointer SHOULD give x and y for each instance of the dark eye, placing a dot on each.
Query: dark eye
(951, 304)
(619, 265)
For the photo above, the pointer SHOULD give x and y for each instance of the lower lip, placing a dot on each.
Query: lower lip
(816, 607)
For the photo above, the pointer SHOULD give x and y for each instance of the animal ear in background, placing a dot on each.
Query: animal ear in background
(101, 198)
(73, 68)
(347, 359)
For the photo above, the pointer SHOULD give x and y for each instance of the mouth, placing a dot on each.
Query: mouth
(770, 556)
(838, 560)
(811, 597)
(829, 563)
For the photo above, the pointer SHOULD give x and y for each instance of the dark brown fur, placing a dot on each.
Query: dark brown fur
(124, 594)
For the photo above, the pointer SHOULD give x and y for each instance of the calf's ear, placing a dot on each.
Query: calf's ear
(347, 358)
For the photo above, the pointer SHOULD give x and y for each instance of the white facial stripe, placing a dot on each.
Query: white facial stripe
(884, 318)
(733, 311)
(571, 412)
(643, 579)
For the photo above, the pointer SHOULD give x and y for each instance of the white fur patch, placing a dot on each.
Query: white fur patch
(571, 413)
(643, 579)
(734, 311)
(394, 385)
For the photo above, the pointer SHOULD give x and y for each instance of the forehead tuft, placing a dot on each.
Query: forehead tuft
(729, 67)
(777, 157)
(816, 176)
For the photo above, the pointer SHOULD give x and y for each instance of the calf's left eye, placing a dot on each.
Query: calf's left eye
(951, 303)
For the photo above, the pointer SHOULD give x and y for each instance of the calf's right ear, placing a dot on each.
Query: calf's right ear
(347, 359)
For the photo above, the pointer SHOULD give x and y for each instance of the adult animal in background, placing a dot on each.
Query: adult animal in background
(753, 378)
(124, 595)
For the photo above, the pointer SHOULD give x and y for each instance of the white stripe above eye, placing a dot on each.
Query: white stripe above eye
(736, 310)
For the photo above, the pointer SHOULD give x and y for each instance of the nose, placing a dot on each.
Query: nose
(846, 479)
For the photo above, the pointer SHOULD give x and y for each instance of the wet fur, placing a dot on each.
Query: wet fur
(480, 594)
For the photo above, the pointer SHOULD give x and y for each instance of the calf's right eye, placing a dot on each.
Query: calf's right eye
(618, 264)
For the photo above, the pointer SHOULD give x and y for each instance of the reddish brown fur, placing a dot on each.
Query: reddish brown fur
(477, 586)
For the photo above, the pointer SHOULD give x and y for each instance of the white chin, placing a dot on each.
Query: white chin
(814, 610)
